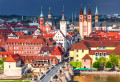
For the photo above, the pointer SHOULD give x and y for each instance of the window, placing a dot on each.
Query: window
(32, 51)
(5, 55)
(104, 54)
(96, 55)
(82, 51)
(27, 51)
(77, 50)
(24, 47)
(100, 54)
(77, 55)
(84, 60)
(0, 55)
(9, 66)
(32, 47)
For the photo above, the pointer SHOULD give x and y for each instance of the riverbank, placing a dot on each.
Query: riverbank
(100, 72)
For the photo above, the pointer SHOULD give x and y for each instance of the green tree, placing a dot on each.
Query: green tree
(1, 62)
(3, 59)
(108, 65)
(96, 64)
(101, 60)
(113, 59)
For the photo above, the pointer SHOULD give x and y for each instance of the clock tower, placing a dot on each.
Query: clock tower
(63, 24)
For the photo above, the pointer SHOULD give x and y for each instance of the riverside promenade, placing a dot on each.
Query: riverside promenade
(101, 72)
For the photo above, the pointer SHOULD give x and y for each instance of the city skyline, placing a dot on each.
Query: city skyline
(32, 8)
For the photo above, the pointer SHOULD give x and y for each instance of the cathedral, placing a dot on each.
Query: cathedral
(85, 22)
(48, 24)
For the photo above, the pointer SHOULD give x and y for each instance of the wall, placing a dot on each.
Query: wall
(79, 53)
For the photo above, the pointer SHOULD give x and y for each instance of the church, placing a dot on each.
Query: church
(85, 22)
(48, 24)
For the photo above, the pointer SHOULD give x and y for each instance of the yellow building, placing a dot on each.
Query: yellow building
(89, 51)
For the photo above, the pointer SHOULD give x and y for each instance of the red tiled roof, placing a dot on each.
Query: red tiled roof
(58, 51)
(30, 59)
(51, 35)
(87, 57)
(47, 49)
(105, 35)
(79, 45)
(108, 52)
(13, 58)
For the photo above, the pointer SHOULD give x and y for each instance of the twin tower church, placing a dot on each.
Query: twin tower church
(85, 22)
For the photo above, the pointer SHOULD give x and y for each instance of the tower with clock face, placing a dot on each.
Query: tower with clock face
(63, 24)
(63, 27)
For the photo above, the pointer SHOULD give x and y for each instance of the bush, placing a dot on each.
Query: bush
(96, 65)
(108, 65)
(76, 64)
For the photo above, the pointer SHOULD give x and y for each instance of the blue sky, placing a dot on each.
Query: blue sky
(32, 7)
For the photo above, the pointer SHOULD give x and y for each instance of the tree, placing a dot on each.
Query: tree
(1, 62)
(113, 59)
(101, 60)
(96, 65)
(108, 65)
(3, 59)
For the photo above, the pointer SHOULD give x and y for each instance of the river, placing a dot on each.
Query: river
(96, 78)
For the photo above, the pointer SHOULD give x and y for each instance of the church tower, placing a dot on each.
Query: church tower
(96, 15)
(41, 19)
(63, 24)
(89, 21)
(49, 14)
(85, 22)
(81, 22)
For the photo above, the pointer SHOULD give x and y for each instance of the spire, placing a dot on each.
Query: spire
(49, 10)
(75, 15)
(89, 11)
(96, 12)
(63, 17)
(85, 10)
(41, 15)
(72, 17)
(81, 10)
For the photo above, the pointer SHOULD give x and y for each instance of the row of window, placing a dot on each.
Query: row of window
(27, 52)
(82, 51)
(100, 54)
(24, 44)
(4, 56)
(26, 47)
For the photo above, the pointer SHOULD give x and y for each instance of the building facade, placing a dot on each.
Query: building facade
(88, 51)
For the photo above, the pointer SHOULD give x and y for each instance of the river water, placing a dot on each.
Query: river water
(96, 78)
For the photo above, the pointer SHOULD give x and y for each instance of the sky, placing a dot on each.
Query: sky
(33, 7)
